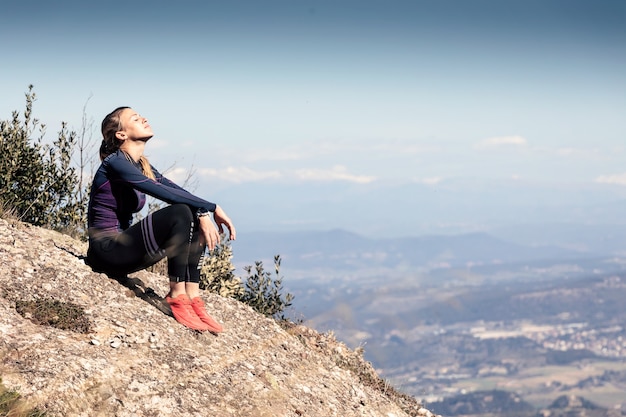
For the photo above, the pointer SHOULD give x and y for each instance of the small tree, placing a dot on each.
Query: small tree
(217, 274)
(265, 294)
(38, 183)
(260, 290)
(87, 159)
(21, 166)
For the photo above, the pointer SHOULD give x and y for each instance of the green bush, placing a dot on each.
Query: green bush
(38, 182)
(217, 274)
(55, 313)
(265, 294)
(11, 405)
(260, 290)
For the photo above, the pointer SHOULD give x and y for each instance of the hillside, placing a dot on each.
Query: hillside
(135, 360)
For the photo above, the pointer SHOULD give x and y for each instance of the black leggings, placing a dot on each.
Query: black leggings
(169, 232)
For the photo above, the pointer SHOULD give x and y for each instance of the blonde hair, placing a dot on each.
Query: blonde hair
(111, 124)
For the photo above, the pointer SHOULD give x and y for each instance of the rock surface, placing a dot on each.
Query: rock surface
(138, 361)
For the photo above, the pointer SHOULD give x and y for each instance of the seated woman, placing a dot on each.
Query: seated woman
(180, 231)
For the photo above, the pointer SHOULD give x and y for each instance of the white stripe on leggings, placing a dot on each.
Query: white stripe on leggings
(147, 232)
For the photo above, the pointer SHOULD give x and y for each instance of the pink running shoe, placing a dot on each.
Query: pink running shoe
(198, 306)
(184, 313)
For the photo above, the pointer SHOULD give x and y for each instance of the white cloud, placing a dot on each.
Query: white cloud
(238, 175)
(390, 147)
(244, 174)
(586, 153)
(311, 150)
(337, 173)
(178, 175)
(429, 180)
(255, 155)
(501, 141)
(617, 179)
(570, 152)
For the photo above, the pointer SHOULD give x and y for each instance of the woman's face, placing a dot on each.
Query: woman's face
(134, 127)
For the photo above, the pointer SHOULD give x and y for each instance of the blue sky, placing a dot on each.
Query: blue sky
(397, 117)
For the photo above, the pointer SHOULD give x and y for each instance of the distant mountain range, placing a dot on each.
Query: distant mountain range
(340, 250)
(453, 206)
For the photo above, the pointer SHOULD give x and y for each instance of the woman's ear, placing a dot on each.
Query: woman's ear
(121, 135)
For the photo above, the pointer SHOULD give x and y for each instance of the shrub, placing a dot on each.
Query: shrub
(12, 405)
(265, 294)
(260, 290)
(38, 182)
(217, 274)
(49, 312)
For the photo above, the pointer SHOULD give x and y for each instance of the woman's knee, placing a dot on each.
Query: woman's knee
(181, 211)
(177, 219)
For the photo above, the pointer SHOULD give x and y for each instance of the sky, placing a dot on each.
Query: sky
(381, 117)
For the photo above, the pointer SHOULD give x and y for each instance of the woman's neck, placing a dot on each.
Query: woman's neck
(133, 148)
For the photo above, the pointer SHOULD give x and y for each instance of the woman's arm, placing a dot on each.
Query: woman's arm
(123, 170)
(166, 190)
(210, 233)
(163, 180)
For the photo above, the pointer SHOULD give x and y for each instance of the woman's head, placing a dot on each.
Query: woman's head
(120, 125)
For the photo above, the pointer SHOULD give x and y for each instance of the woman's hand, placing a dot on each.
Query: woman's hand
(211, 233)
(221, 219)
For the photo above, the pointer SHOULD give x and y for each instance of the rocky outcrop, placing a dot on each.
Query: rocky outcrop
(136, 360)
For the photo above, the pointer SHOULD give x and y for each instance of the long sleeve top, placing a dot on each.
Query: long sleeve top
(119, 189)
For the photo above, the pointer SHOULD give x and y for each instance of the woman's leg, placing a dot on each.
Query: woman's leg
(184, 265)
(167, 232)
(193, 265)
(192, 286)
(170, 231)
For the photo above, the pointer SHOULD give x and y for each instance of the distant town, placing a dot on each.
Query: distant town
(607, 342)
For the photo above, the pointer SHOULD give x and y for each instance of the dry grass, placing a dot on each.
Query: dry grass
(353, 361)
(49, 312)
(11, 405)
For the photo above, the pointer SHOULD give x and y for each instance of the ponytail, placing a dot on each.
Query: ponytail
(111, 124)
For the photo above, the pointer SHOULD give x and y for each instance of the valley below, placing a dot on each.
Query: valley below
(537, 339)
(537, 329)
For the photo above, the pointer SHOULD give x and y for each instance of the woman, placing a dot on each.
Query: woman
(179, 232)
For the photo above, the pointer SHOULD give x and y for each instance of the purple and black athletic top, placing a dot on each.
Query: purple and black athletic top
(119, 190)
(119, 247)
